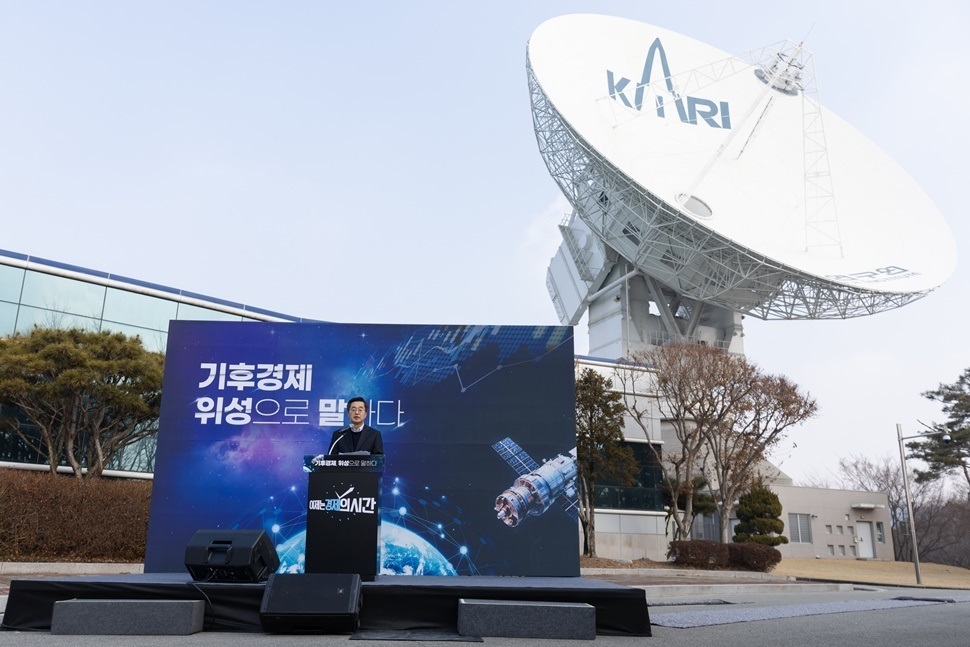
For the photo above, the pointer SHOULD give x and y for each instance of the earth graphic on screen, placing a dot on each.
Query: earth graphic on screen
(405, 553)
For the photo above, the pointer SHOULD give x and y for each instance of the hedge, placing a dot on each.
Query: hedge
(58, 518)
(754, 556)
(712, 555)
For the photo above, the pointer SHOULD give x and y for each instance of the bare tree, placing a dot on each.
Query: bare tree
(725, 414)
(696, 395)
(758, 422)
(942, 519)
(635, 381)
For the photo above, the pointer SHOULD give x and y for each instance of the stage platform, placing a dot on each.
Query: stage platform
(389, 603)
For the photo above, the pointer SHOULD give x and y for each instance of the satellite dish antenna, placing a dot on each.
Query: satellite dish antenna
(706, 186)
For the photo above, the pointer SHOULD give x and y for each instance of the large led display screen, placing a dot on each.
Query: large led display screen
(478, 426)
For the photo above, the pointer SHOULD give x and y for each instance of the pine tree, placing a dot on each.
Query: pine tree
(600, 451)
(759, 512)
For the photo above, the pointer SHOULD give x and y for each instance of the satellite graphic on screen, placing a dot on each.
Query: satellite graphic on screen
(537, 486)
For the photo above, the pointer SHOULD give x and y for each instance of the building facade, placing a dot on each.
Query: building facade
(839, 524)
(40, 292)
(819, 523)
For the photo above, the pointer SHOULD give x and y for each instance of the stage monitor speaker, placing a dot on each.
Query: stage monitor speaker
(231, 556)
(311, 603)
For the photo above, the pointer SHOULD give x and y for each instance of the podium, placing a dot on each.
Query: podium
(343, 520)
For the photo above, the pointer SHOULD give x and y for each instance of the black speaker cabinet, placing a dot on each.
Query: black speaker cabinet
(231, 556)
(311, 603)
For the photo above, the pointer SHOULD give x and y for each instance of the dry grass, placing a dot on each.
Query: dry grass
(899, 573)
(837, 570)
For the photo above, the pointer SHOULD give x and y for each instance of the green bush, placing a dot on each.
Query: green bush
(56, 518)
(759, 517)
(699, 554)
(753, 556)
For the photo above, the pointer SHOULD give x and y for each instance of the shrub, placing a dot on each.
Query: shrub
(699, 554)
(53, 518)
(759, 517)
(753, 556)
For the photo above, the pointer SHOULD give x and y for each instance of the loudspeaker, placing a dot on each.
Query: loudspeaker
(311, 603)
(231, 556)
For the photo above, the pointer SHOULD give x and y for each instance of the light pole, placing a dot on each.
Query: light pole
(909, 501)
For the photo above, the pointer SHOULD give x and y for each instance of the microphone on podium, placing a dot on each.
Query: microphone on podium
(334, 443)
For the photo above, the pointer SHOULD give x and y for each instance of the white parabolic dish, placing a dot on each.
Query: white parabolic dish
(708, 149)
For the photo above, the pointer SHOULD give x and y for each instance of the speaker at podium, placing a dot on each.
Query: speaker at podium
(311, 603)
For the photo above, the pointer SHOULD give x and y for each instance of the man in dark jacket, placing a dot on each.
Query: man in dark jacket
(357, 437)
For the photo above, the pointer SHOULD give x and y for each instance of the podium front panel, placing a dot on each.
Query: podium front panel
(343, 521)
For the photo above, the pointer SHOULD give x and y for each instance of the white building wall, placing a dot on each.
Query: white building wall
(628, 536)
(835, 517)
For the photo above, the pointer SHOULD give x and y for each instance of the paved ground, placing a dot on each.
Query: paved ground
(669, 592)
(940, 625)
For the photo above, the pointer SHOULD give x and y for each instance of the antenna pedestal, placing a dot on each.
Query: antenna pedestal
(629, 310)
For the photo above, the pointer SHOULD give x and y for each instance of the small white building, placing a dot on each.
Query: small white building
(839, 524)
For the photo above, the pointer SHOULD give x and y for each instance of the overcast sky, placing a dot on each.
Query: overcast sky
(375, 162)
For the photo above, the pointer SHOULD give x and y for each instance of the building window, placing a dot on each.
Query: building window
(831, 549)
(851, 530)
(828, 529)
(880, 533)
(840, 530)
(706, 526)
(800, 528)
(63, 295)
(852, 551)
(8, 317)
(842, 550)
(11, 283)
(646, 493)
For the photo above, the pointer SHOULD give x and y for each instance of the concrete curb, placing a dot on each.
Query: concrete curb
(688, 573)
(68, 568)
(112, 568)
(695, 590)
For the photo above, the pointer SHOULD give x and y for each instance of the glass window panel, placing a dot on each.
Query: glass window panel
(62, 294)
(800, 528)
(138, 309)
(8, 318)
(187, 312)
(137, 457)
(646, 492)
(30, 317)
(15, 450)
(152, 340)
(11, 280)
(805, 529)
